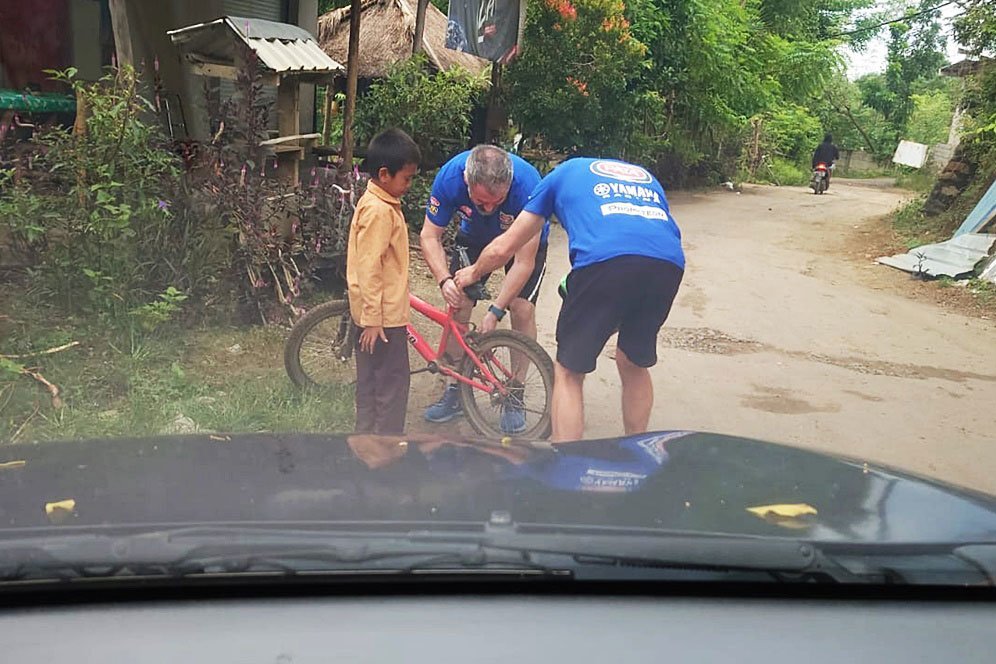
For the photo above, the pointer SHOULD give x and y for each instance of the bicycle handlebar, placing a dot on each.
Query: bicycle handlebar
(476, 291)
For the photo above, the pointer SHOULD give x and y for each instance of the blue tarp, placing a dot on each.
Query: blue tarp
(981, 215)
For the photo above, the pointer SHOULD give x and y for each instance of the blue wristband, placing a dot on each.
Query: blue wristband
(498, 313)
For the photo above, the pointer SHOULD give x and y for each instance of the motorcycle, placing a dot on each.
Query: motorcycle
(820, 180)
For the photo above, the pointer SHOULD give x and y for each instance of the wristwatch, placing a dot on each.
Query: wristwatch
(498, 313)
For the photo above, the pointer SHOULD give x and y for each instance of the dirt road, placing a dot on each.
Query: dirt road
(780, 333)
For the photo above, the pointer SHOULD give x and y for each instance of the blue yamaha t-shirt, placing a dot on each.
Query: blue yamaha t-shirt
(609, 208)
(568, 468)
(449, 196)
(645, 455)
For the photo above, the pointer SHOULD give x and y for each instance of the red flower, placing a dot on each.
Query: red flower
(566, 10)
(581, 86)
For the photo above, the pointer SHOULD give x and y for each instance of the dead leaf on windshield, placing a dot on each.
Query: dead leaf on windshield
(60, 510)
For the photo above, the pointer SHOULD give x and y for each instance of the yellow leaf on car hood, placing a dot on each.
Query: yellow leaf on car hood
(60, 510)
(783, 511)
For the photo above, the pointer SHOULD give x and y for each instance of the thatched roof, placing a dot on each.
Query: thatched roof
(387, 28)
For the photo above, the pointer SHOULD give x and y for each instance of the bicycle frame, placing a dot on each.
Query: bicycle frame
(451, 327)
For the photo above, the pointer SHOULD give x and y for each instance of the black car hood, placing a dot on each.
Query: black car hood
(678, 481)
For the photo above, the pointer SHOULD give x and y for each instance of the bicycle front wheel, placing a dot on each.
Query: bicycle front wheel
(525, 372)
(319, 351)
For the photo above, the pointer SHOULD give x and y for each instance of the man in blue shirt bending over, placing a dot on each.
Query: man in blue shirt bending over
(627, 263)
(485, 188)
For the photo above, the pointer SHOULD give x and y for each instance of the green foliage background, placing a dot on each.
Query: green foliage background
(433, 107)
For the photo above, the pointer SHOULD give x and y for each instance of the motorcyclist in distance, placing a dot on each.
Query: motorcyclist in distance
(826, 153)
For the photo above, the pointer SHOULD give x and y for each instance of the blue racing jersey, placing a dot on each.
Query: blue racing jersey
(609, 208)
(568, 468)
(450, 196)
(569, 471)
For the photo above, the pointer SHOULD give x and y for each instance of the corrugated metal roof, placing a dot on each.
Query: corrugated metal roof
(258, 28)
(988, 272)
(282, 48)
(293, 56)
(983, 213)
(955, 258)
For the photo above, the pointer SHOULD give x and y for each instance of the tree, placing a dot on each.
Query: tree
(976, 28)
(853, 122)
(681, 83)
(814, 21)
(574, 82)
(916, 53)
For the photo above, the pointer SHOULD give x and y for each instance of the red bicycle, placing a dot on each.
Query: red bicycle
(500, 370)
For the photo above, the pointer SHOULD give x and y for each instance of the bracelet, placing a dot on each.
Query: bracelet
(498, 313)
(443, 282)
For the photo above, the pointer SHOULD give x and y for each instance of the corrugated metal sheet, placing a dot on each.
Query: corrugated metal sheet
(281, 48)
(983, 213)
(261, 29)
(954, 258)
(293, 56)
(989, 271)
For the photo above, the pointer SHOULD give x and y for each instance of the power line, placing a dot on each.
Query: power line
(895, 20)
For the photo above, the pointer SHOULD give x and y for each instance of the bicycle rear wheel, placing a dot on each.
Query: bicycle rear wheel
(320, 349)
(521, 365)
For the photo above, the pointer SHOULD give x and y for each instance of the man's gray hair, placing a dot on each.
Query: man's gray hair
(490, 167)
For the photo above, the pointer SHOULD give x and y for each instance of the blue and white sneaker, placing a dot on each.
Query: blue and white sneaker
(513, 420)
(447, 408)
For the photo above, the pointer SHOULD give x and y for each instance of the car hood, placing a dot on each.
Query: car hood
(675, 481)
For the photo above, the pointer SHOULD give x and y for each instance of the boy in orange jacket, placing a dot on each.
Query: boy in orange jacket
(377, 277)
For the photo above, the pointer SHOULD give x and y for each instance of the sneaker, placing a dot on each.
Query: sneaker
(513, 416)
(513, 420)
(447, 408)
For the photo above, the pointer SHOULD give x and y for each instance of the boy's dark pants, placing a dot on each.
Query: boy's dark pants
(382, 381)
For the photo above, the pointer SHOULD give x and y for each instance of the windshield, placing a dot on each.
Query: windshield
(574, 289)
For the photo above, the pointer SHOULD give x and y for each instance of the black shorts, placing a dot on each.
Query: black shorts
(629, 294)
(530, 291)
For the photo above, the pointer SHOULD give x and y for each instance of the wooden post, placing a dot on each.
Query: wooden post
(82, 114)
(352, 68)
(122, 32)
(423, 6)
(289, 124)
(327, 112)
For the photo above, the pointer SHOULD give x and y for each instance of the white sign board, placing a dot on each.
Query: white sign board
(910, 154)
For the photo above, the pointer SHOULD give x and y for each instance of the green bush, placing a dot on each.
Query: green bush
(105, 210)
(783, 172)
(791, 132)
(913, 228)
(779, 145)
(931, 119)
(413, 206)
(413, 203)
(919, 180)
(435, 109)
